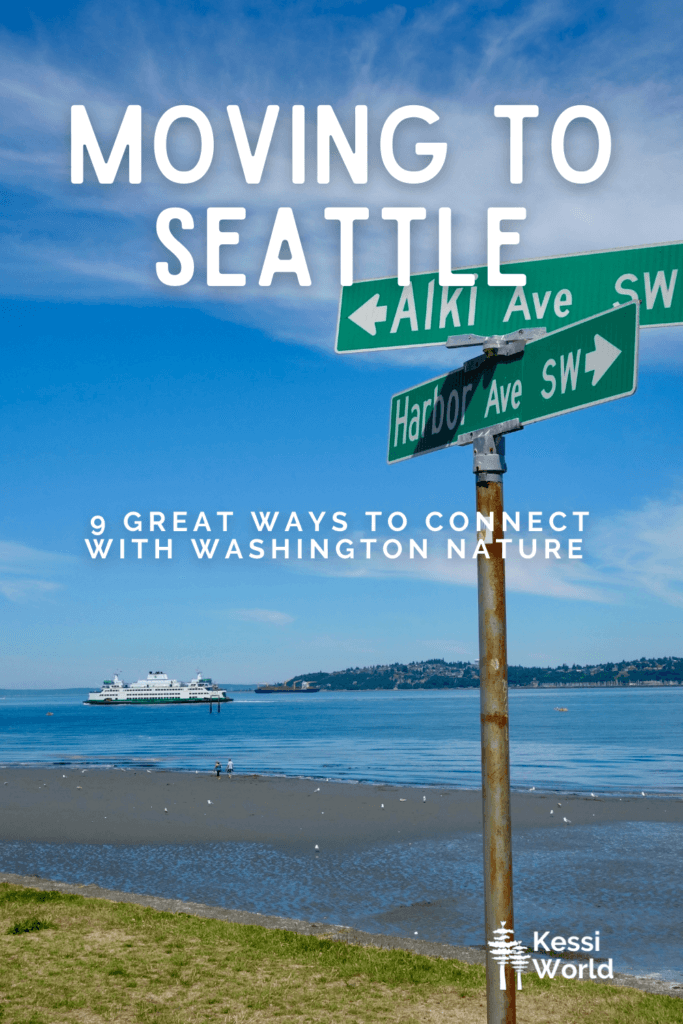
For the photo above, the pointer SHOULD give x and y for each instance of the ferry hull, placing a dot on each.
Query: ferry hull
(161, 700)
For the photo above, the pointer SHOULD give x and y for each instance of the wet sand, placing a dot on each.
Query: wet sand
(408, 870)
(61, 805)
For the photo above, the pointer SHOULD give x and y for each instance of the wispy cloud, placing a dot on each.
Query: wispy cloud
(643, 548)
(23, 571)
(25, 590)
(266, 615)
(630, 552)
(573, 580)
(94, 242)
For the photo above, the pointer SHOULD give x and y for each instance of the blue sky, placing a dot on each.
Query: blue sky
(120, 394)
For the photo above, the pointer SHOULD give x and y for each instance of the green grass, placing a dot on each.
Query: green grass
(29, 924)
(12, 895)
(98, 961)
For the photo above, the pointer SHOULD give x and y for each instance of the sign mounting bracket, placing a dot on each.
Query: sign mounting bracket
(498, 344)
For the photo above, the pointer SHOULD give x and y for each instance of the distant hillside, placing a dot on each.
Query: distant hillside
(439, 674)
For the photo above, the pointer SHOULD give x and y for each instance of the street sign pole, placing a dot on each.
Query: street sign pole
(522, 377)
(489, 466)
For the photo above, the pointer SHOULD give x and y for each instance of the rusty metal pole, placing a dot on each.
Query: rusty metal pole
(489, 466)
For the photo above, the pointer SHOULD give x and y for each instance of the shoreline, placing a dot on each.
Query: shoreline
(649, 684)
(137, 806)
(335, 933)
(384, 859)
(151, 767)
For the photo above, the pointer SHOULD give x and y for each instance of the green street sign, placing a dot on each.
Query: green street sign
(584, 364)
(560, 290)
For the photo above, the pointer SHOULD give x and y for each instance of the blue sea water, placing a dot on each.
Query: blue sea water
(609, 741)
(624, 879)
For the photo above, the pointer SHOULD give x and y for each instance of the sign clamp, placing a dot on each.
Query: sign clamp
(496, 344)
(489, 444)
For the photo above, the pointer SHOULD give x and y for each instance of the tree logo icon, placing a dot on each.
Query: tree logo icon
(507, 950)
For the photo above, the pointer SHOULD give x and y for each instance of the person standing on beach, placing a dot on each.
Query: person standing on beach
(218, 769)
(229, 767)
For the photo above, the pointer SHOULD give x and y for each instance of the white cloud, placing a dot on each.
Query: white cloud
(643, 548)
(626, 553)
(25, 590)
(266, 615)
(20, 556)
(97, 242)
(22, 571)
(571, 580)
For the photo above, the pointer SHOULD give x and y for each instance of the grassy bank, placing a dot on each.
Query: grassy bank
(71, 960)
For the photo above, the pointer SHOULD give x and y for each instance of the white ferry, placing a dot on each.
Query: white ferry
(157, 688)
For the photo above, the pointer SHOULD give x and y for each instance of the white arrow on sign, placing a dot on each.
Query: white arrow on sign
(369, 315)
(600, 360)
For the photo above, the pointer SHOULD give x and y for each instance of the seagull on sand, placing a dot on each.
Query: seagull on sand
(566, 821)
(209, 801)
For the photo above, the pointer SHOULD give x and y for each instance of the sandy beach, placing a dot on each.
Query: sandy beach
(114, 806)
(395, 861)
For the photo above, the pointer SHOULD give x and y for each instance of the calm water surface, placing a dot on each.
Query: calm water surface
(624, 879)
(611, 741)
